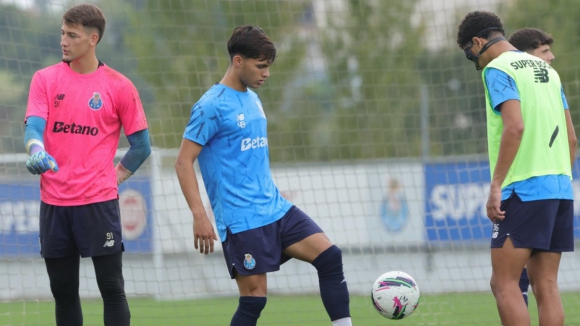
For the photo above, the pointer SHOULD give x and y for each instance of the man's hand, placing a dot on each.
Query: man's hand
(40, 161)
(494, 213)
(203, 234)
(122, 173)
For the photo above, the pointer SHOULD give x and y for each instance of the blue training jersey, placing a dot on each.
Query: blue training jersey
(234, 161)
(503, 88)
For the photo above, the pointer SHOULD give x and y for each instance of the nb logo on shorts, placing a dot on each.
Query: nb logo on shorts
(109, 243)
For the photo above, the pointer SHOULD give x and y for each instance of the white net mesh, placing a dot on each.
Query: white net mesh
(376, 130)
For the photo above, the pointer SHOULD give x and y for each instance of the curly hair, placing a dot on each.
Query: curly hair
(478, 24)
(528, 39)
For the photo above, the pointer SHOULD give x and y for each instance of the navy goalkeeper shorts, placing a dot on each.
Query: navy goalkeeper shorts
(86, 230)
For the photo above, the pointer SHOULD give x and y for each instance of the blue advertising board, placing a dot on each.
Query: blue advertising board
(19, 216)
(19, 207)
(455, 198)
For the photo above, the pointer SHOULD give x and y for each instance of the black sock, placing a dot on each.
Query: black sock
(333, 289)
(524, 284)
(249, 310)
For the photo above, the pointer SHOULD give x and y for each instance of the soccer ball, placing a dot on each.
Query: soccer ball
(395, 295)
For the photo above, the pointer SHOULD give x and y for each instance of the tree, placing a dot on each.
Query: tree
(181, 46)
(562, 20)
(26, 47)
(371, 48)
(456, 103)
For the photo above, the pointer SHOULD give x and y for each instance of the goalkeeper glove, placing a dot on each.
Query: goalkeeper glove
(40, 161)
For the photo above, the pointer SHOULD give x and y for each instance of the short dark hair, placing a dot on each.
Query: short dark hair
(251, 42)
(529, 39)
(86, 15)
(478, 24)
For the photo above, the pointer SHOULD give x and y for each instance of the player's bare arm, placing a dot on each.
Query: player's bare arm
(203, 231)
(572, 139)
(513, 129)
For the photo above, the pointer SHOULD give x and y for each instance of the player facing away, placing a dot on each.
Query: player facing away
(537, 43)
(75, 113)
(258, 228)
(531, 145)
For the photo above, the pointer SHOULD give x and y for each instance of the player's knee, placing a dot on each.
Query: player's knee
(545, 289)
(64, 291)
(494, 285)
(543, 283)
(252, 306)
(329, 261)
(333, 288)
(252, 285)
(111, 286)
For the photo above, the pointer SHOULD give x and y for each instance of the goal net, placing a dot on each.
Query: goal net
(376, 129)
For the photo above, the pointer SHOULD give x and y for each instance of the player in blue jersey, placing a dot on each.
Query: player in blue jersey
(537, 43)
(258, 228)
(531, 147)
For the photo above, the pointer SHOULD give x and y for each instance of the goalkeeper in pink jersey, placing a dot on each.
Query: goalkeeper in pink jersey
(75, 113)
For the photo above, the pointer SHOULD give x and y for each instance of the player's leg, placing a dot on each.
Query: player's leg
(543, 265)
(97, 231)
(249, 256)
(543, 272)
(64, 285)
(524, 284)
(304, 240)
(507, 263)
(511, 245)
(109, 274)
(62, 261)
(253, 291)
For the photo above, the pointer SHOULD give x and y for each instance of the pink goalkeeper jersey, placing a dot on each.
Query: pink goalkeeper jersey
(84, 114)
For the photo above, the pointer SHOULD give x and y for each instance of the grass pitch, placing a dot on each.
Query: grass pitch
(445, 309)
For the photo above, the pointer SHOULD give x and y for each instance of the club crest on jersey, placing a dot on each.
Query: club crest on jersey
(249, 262)
(240, 120)
(96, 102)
(261, 109)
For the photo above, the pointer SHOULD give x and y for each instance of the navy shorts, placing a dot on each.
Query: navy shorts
(541, 225)
(260, 250)
(86, 230)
